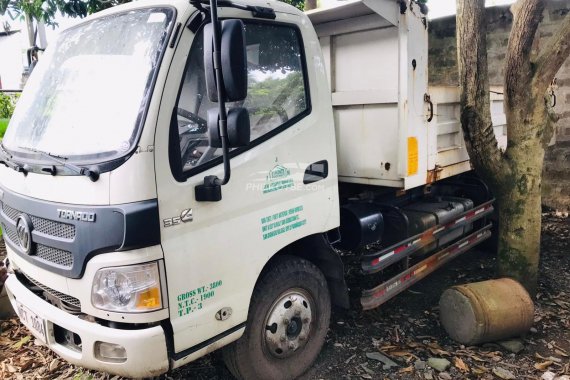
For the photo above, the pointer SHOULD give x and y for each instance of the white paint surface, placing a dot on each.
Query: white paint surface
(437, 8)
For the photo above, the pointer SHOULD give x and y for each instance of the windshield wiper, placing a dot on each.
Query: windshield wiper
(6, 160)
(92, 174)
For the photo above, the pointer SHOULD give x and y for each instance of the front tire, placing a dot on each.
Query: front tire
(287, 323)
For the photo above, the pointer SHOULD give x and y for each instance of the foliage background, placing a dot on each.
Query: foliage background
(46, 10)
(297, 3)
(7, 104)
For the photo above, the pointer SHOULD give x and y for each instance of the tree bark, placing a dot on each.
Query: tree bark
(310, 4)
(475, 101)
(514, 175)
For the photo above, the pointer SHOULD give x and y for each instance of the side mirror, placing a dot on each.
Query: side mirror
(233, 59)
(225, 65)
(238, 128)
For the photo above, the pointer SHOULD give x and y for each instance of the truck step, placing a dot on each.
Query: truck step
(375, 262)
(372, 298)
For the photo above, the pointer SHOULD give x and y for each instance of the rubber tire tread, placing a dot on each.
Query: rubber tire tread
(284, 274)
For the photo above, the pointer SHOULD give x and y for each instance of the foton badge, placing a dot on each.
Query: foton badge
(24, 233)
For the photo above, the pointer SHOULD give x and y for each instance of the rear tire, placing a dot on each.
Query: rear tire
(287, 323)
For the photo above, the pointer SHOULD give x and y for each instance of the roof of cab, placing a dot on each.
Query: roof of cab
(181, 5)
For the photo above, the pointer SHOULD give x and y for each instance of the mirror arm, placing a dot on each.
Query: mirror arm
(225, 152)
(223, 120)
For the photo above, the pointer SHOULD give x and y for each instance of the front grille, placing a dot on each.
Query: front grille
(59, 295)
(45, 226)
(54, 255)
(49, 227)
(10, 233)
(49, 254)
(10, 212)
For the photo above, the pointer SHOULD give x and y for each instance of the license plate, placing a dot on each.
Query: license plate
(32, 321)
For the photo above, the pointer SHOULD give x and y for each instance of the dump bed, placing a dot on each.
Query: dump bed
(376, 53)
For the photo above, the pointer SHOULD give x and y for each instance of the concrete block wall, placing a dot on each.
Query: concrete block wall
(556, 177)
(443, 71)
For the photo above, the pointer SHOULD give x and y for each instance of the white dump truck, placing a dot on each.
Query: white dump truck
(181, 176)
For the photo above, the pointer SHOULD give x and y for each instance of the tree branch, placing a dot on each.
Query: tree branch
(475, 102)
(518, 68)
(552, 57)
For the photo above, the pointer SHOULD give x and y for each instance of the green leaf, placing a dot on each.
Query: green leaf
(21, 342)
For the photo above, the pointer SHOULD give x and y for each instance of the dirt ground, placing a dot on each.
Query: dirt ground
(406, 330)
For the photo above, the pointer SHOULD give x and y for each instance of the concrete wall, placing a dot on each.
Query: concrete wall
(11, 60)
(443, 71)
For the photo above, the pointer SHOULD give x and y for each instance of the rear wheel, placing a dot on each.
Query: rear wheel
(287, 323)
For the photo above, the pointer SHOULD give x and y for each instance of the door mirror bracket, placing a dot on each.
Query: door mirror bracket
(209, 191)
(225, 66)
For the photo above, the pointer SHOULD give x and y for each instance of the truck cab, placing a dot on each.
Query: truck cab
(126, 254)
(134, 275)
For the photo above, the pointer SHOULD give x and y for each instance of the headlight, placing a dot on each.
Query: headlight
(134, 288)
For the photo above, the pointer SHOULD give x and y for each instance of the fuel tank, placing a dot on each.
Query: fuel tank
(360, 224)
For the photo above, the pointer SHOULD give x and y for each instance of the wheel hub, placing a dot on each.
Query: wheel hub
(288, 323)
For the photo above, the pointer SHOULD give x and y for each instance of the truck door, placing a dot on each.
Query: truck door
(215, 251)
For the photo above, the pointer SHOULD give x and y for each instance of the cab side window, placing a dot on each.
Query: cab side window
(276, 91)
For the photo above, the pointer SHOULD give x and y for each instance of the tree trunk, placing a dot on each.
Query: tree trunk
(310, 4)
(520, 219)
(514, 175)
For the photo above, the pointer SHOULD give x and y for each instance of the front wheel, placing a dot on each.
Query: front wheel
(287, 323)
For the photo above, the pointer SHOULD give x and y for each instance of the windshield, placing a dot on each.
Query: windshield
(87, 96)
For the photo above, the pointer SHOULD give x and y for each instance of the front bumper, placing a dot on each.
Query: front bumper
(146, 353)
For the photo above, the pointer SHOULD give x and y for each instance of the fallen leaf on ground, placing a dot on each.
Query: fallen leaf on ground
(381, 358)
(503, 373)
(561, 353)
(21, 342)
(478, 370)
(543, 366)
(477, 358)
(460, 364)
(403, 354)
(53, 365)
